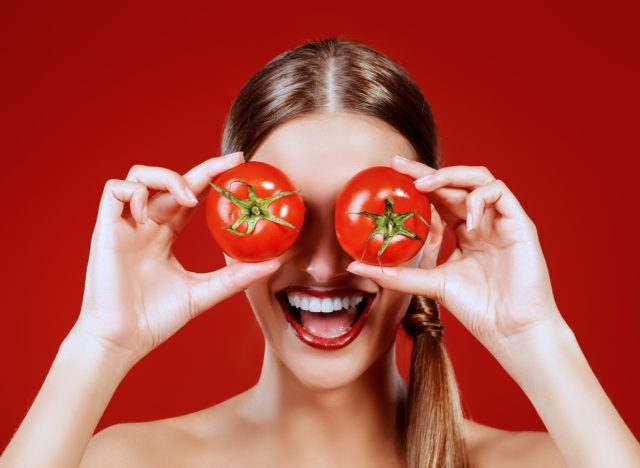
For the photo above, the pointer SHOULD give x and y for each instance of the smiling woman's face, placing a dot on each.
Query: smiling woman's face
(320, 153)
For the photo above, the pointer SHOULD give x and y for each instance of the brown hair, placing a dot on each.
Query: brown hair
(339, 74)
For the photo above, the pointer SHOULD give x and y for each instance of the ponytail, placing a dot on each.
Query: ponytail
(433, 437)
(352, 76)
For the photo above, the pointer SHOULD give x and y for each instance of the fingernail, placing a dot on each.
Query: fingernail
(190, 195)
(234, 157)
(144, 214)
(369, 270)
(400, 158)
(469, 222)
(423, 180)
(356, 267)
(269, 266)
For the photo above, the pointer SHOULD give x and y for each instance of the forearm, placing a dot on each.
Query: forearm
(64, 414)
(551, 369)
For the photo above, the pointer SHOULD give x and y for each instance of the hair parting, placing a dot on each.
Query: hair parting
(335, 74)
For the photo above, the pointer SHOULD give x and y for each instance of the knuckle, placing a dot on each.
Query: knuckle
(135, 169)
(171, 179)
(472, 198)
(140, 189)
(485, 170)
(179, 180)
(182, 180)
(111, 184)
(137, 186)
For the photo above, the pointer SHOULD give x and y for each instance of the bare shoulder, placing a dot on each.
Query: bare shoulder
(177, 441)
(133, 444)
(496, 448)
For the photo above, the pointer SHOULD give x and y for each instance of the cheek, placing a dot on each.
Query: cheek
(392, 308)
(260, 300)
(400, 303)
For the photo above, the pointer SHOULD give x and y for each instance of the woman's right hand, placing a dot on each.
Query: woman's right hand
(137, 294)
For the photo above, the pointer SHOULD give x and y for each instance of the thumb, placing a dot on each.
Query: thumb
(417, 281)
(433, 245)
(208, 289)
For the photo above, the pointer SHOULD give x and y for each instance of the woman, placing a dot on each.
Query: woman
(321, 113)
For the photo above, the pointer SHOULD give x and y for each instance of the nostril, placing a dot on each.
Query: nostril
(318, 253)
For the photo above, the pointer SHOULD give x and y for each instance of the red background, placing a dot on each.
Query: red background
(544, 94)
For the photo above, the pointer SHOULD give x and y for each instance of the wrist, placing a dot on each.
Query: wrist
(547, 363)
(78, 387)
(537, 352)
(99, 351)
(535, 337)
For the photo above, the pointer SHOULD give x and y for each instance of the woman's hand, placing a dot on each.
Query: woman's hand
(496, 281)
(137, 294)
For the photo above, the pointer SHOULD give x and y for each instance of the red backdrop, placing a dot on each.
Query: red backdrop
(545, 96)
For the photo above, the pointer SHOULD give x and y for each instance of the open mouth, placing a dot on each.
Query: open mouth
(325, 320)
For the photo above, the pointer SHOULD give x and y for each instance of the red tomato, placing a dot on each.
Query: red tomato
(381, 218)
(255, 213)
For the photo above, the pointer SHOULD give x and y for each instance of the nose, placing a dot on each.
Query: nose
(319, 252)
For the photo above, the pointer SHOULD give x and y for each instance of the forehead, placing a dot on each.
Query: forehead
(320, 152)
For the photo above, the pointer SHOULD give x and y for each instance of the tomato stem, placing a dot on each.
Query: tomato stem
(389, 224)
(253, 209)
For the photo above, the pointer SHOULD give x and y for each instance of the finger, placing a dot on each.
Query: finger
(495, 194)
(207, 289)
(416, 281)
(164, 179)
(468, 177)
(451, 206)
(434, 241)
(448, 200)
(418, 169)
(198, 178)
(115, 195)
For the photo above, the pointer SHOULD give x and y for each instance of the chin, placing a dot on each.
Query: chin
(321, 373)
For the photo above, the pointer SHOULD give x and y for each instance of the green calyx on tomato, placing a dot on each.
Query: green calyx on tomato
(389, 224)
(253, 209)
(249, 192)
(376, 217)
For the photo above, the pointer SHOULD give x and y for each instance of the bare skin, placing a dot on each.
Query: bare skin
(311, 407)
(219, 437)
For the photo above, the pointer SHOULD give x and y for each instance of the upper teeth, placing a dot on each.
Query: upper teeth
(325, 304)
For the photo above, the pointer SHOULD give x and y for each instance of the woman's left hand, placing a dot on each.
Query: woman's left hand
(496, 281)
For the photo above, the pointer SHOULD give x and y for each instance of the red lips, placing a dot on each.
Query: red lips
(320, 342)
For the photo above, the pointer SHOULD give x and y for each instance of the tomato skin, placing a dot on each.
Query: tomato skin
(269, 239)
(367, 191)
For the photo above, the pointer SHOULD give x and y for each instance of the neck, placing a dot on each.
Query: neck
(358, 420)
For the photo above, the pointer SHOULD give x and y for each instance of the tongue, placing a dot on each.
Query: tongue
(328, 325)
